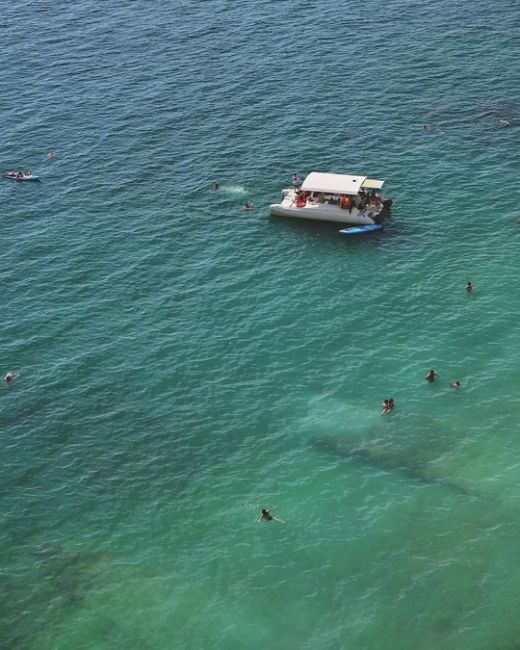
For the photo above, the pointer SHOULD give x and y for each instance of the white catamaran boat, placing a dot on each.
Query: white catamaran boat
(339, 198)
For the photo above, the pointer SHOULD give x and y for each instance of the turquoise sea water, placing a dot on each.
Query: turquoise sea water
(182, 364)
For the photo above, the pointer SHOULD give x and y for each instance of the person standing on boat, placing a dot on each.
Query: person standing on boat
(296, 181)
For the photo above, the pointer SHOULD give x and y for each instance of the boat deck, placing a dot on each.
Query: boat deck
(326, 209)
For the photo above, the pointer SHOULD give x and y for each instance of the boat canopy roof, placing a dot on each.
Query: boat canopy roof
(338, 183)
(372, 184)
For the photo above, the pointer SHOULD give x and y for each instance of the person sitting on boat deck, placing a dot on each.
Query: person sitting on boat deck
(19, 175)
(345, 203)
(374, 199)
(320, 198)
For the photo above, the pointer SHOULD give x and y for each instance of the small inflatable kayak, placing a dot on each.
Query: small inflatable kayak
(359, 230)
(20, 176)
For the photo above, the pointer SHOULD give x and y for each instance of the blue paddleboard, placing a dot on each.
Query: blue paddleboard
(357, 230)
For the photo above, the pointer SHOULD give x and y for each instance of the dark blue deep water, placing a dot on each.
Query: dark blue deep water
(181, 363)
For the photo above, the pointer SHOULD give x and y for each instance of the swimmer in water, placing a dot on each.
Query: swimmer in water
(50, 155)
(216, 186)
(431, 376)
(265, 515)
(247, 205)
(455, 384)
(503, 122)
(9, 378)
(469, 287)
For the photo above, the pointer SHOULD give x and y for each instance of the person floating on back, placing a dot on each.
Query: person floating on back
(431, 376)
(265, 515)
(455, 384)
(469, 287)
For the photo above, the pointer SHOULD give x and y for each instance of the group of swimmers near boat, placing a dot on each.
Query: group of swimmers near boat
(246, 206)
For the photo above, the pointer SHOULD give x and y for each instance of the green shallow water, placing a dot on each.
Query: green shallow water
(182, 364)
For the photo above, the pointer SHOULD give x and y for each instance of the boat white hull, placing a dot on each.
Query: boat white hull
(325, 212)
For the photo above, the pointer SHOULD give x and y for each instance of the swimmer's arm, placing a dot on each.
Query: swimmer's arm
(278, 519)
